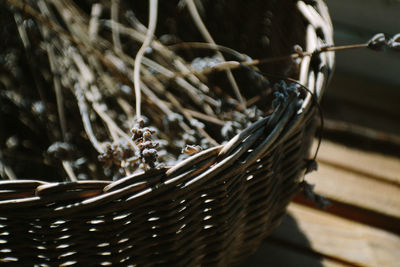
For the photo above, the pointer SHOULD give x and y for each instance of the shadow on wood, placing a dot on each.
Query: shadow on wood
(275, 251)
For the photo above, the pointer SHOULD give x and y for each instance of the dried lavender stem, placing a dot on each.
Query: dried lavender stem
(107, 120)
(94, 21)
(191, 91)
(343, 47)
(205, 117)
(177, 62)
(203, 30)
(68, 169)
(58, 91)
(189, 88)
(229, 65)
(27, 46)
(86, 120)
(200, 45)
(112, 125)
(6, 171)
(115, 29)
(149, 36)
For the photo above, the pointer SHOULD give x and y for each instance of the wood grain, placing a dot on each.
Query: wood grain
(368, 164)
(339, 238)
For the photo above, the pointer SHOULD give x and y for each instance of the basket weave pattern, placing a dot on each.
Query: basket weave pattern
(212, 209)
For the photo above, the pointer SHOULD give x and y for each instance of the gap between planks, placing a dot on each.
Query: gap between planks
(369, 164)
(338, 238)
(344, 175)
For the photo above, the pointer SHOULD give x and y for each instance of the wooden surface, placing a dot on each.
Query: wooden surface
(360, 228)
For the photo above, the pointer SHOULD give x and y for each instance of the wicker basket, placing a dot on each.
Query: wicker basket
(212, 209)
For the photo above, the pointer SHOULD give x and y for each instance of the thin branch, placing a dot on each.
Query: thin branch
(149, 36)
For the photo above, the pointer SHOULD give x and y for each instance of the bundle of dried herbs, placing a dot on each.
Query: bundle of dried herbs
(103, 89)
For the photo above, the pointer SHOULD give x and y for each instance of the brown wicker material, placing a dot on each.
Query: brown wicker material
(212, 209)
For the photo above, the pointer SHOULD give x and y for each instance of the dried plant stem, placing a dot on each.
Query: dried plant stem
(112, 126)
(168, 55)
(68, 169)
(6, 171)
(343, 47)
(203, 30)
(108, 121)
(10, 173)
(205, 117)
(94, 21)
(177, 63)
(58, 91)
(191, 91)
(27, 46)
(230, 65)
(85, 118)
(189, 117)
(163, 106)
(115, 30)
(149, 36)
(216, 47)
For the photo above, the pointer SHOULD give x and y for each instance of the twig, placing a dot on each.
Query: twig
(149, 36)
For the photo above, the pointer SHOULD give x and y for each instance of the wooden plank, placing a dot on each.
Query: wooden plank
(354, 213)
(338, 238)
(356, 189)
(367, 164)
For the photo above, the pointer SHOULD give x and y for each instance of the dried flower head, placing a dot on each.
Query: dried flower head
(142, 136)
(394, 43)
(377, 42)
(191, 149)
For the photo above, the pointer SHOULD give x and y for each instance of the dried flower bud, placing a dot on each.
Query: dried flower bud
(190, 149)
(394, 43)
(377, 42)
(140, 122)
(60, 150)
(147, 135)
(308, 191)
